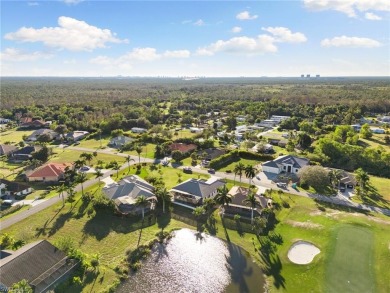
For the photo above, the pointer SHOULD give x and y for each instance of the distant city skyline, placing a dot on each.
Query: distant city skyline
(195, 38)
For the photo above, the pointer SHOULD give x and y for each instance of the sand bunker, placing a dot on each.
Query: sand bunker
(302, 252)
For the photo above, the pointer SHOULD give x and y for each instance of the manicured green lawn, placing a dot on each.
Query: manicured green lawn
(350, 262)
(148, 151)
(246, 162)
(69, 156)
(14, 136)
(94, 143)
(382, 185)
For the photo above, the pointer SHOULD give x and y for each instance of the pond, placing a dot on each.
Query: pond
(193, 262)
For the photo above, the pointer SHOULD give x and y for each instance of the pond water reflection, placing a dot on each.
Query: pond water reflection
(194, 263)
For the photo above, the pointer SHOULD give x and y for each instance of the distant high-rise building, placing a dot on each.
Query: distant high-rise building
(302, 75)
(317, 76)
(308, 75)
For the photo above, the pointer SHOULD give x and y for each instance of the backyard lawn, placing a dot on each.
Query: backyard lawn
(13, 136)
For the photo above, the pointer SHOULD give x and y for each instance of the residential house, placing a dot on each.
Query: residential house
(51, 172)
(356, 127)
(125, 194)
(139, 130)
(40, 263)
(27, 122)
(279, 119)
(237, 206)
(7, 149)
(51, 134)
(23, 154)
(182, 147)
(192, 192)
(13, 188)
(267, 123)
(210, 154)
(196, 130)
(76, 135)
(4, 121)
(120, 141)
(377, 130)
(287, 164)
(265, 148)
(384, 119)
(241, 118)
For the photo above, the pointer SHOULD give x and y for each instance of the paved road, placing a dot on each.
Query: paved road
(335, 200)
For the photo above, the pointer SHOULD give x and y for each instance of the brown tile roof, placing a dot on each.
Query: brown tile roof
(6, 149)
(184, 148)
(50, 170)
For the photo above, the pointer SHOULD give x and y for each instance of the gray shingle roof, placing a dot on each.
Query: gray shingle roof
(296, 162)
(14, 186)
(198, 187)
(29, 262)
(6, 149)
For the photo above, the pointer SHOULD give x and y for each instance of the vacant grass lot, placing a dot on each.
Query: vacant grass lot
(13, 136)
(69, 156)
(95, 143)
(382, 185)
(148, 151)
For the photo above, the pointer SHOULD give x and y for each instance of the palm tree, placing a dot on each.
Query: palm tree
(87, 156)
(164, 195)
(362, 178)
(138, 149)
(128, 160)
(239, 170)
(250, 172)
(78, 164)
(81, 178)
(223, 197)
(71, 193)
(334, 176)
(98, 174)
(198, 212)
(251, 201)
(115, 166)
(61, 189)
(142, 202)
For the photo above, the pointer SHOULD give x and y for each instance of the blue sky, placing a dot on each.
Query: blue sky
(195, 38)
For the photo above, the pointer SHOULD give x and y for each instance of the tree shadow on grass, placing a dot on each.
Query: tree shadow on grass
(163, 220)
(104, 221)
(210, 225)
(374, 198)
(59, 223)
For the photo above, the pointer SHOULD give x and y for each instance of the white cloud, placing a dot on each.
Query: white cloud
(245, 15)
(241, 45)
(199, 22)
(139, 55)
(372, 16)
(177, 54)
(352, 42)
(349, 7)
(71, 34)
(72, 1)
(16, 55)
(236, 29)
(186, 21)
(32, 3)
(283, 34)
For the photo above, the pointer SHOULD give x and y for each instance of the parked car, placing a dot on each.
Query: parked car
(211, 171)
(281, 185)
(342, 189)
(187, 170)
(84, 168)
(7, 202)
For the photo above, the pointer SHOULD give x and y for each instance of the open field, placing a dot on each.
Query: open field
(69, 156)
(147, 151)
(13, 136)
(246, 162)
(382, 185)
(95, 231)
(94, 143)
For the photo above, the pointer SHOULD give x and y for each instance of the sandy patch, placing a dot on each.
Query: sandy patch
(307, 225)
(302, 252)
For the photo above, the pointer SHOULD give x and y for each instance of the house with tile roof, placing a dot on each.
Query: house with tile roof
(7, 149)
(40, 263)
(286, 164)
(125, 193)
(238, 194)
(51, 172)
(14, 188)
(194, 191)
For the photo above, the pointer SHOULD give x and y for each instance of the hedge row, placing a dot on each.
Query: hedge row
(224, 160)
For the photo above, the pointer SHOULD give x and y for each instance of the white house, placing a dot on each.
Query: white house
(287, 164)
(138, 130)
(19, 190)
(377, 130)
(279, 119)
(267, 123)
